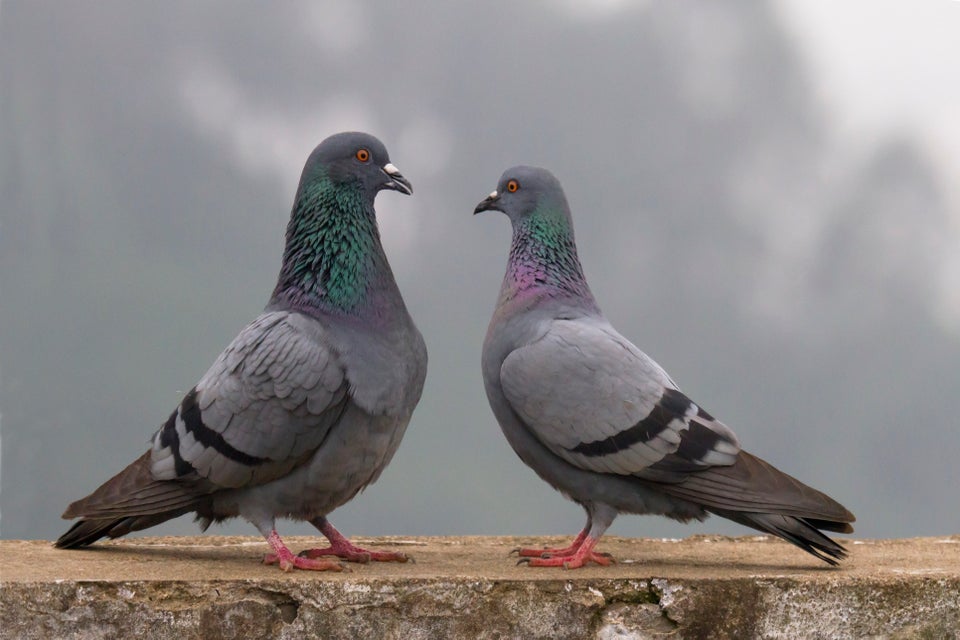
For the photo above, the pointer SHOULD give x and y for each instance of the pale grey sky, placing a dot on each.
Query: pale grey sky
(887, 67)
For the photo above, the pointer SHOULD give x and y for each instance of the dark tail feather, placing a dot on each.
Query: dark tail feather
(758, 495)
(130, 501)
(829, 525)
(799, 531)
(85, 532)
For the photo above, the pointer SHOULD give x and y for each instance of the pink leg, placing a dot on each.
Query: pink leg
(579, 558)
(554, 553)
(343, 548)
(282, 555)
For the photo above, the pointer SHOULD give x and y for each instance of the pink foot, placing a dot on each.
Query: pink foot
(572, 562)
(352, 553)
(288, 562)
(579, 558)
(343, 548)
(563, 552)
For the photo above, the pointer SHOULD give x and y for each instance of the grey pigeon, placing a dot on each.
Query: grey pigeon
(308, 404)
(598, 419)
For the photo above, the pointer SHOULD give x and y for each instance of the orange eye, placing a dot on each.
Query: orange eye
(512, 186)
(363, 155)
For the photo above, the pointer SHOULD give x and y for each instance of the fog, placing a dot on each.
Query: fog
(801, 284)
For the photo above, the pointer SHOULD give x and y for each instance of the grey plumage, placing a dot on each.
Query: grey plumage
(602, 422)
(309, 402)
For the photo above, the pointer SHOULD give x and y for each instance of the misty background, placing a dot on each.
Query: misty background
(765, 197)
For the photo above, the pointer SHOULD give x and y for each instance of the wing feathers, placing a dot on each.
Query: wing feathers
(135, 492)
(602, 405)
(752, 484)
(669, 415)
(256, 414)
(258, 410)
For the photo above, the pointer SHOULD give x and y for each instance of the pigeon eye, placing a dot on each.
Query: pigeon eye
(512, 186)
(363, 155)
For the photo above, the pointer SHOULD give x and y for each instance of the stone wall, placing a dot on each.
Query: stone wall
(703, 587)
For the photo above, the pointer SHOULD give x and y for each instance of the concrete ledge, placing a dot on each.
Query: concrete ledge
(701, 587)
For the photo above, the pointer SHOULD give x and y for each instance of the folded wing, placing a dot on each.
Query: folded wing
(603, 405)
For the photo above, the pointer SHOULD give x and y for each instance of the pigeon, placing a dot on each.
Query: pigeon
(598, 419)
(309, 402)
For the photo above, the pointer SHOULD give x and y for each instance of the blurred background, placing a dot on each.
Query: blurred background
(765, 194)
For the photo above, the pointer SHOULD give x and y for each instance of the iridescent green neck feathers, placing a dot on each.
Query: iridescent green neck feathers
(333, 253)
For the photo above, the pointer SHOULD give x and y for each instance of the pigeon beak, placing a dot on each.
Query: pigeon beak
(396, 180)
(490, 203)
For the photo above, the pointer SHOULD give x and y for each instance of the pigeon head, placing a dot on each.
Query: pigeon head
(543, 258)
(525, 191)
(354, 159)
(333, 257)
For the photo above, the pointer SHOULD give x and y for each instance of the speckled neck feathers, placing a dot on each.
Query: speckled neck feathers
(333, 260)
(543, 265)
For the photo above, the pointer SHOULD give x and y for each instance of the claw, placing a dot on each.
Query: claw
(288, 562)
(546, 552)
(573, 557)
(343, 548)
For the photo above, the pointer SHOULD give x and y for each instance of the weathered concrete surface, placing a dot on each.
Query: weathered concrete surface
(214, 587)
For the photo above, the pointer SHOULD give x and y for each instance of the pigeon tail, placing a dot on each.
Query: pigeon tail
(86, 532)
(803, 532)
(756, 494)
(129, 501)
